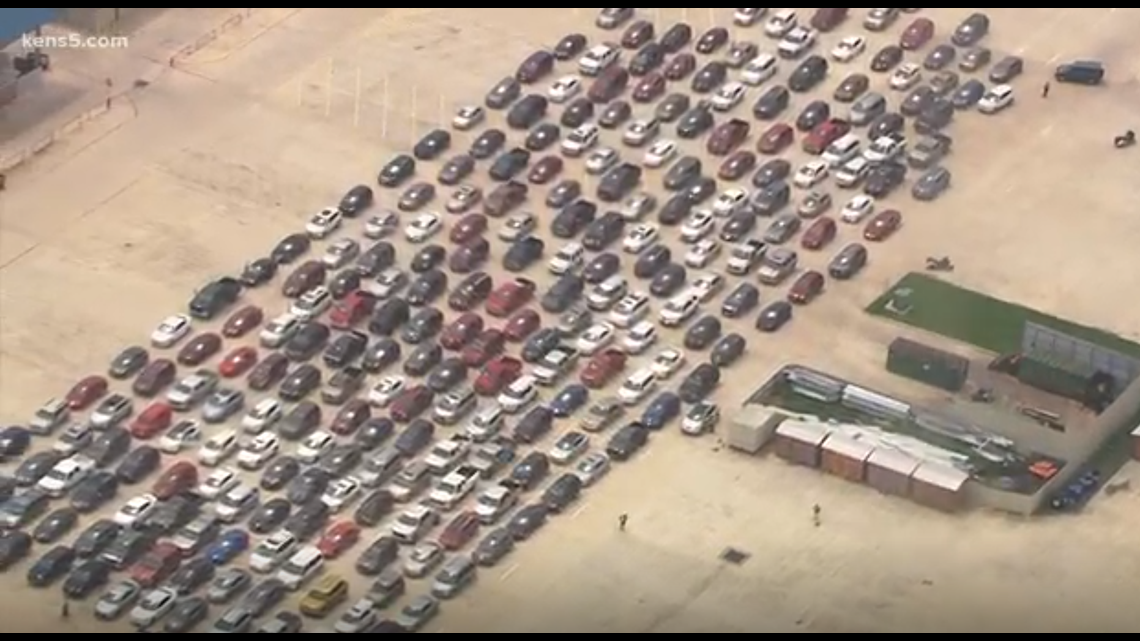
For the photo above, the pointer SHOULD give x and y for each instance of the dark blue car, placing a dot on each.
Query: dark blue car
(569, 400)
(228, 546)
(662, 410)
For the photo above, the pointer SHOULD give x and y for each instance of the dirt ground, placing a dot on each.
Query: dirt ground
(206, 167)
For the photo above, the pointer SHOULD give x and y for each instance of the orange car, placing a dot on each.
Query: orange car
(239, 361)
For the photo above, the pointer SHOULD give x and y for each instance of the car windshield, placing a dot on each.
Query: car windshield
(156, 599)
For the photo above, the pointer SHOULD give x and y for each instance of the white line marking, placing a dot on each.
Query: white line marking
(511, 570)
(578, 512)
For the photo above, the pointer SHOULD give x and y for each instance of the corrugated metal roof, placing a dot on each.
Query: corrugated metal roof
(893, 460)
(849, 447)
(804, 432)
(943, 476)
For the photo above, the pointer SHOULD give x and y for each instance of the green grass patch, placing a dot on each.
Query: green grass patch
(977, 319)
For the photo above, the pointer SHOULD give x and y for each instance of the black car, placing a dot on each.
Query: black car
(887, 58)
(618, 182)
(563, 293)
(138, 464)
(702, 333)
(427, 258)
(503, 93)
(423, 359)
(672, 107)
(14, 547)
(384, 551)
(374, 508)
(738, 226)
(456, 169)
(699, 383)
(668, 281)
(258, 272)
(808, 74)
(740, 301)
(381, 354)
(85, 579)
(270, 515)
(573, 218)
(51, 567)
(309, 340)
(648, 58)
(542, 137)
(564, 193)
(290, 248)
(397, 171)
(95, 491)
(14, 441)
(541, 343)
(8, 487)
(682, 173)
(341, 460)
(422, 326)
(652, 261)
(432, 145)
(676, 37)
(427, 287)
(493, 547)
(448, 374)
(816, 112)
(373, 433)
(470, 292)
(884, 179)
(509, 164)
(627, 441)
(709, 77)
(771, 103)
(523, 253)
(774, 316)
(191, 575)
(528, 520)
(535, 424)
(93, 540)
(214, 298)
(527, 112)
(355, 201)
(487, 144)
(36, 466)
(265, 596)
(300, 382)
(728, 350)
(570, 46)
(344, 349)
(604, 231)
(309, 484)
(601, 267)
(695, 122)
(701, 189)
(186, 614)
(562, 492)
(771, 172)
(577, 113)
(279, 472)
(615, 114)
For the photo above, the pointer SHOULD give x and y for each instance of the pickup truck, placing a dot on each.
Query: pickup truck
(492, 457)
(777, 265)
(745, 256)
(454, 487)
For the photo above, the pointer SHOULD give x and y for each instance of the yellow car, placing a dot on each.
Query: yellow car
(323, 597)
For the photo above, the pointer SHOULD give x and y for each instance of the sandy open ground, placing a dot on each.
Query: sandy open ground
(206, 167)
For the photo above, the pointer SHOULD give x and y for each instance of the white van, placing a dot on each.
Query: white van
(842, 150)
(853, 172)
(639, 385)
(485, 424)
(759, 69)
(302, 566)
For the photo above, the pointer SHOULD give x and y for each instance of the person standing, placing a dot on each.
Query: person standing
(816, 515)
(1045, 89)
(622, 520)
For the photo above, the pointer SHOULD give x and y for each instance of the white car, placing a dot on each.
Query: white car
(596, 338)
(381, 225)
(423, 227)
(258, 451)
(467, 117)
(607, 293)
(580, 140)
(640, 337)
(171, 330)
(262, 416)
(520, 393)
(518, 226)
(639, 131)
(858, 209)
(849, 48)
(637, 206)
(760, 69)
(312, 303)
(273, 551)
(599, 58)
(747, 17)
(324, 222)
(341, 493)
(414, 522)
(279, 330)
(640, 237)
(340, 253)
(601, 159)
(564, 89)
(796, 42)
(707, 286)
(569, 447)
(781, 23)
(184, 435)
(638, 386)
(728, 202)
(357, 618)
(219, 482)
(218, 448)
(905, 76)
(996, 99)
(387, 283)
(153, 606)
(386, 391)
(811, 174)
(697, 226)
(702, 253)
(700, 419)
(659, 153)
(728, 96)
(668, 362)
(679, 309)
(315, 445)
(592, 467)
(446, 454)
(135, 510)
(631, 308)
(885, 148)
(568, 258)
(238, 502)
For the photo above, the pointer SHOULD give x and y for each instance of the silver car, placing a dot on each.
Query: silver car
(569, 447)
(782, 229)
(592, 467)
(117, 600)
(222, 404)
(153, 606)
(341, 253)
(418, 612)
(518, 226)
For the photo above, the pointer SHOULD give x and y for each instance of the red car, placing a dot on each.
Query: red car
(461, 331)
(524, 323)
(460, 531)
(497, 374)
(487, 345)
(411, 403)
(777, 138)
(152, 421)
(178, 478)
(355, 307)
(86, 391)
(468, 228)
(238, 361)
(603, 367)
(351, 417)
(338, 538)
(510, 296)
(917, 34)
(157, 565)
(243, 321)
(824, 134)
(883, 225)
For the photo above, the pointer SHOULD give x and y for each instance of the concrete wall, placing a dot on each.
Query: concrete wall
(106, 21)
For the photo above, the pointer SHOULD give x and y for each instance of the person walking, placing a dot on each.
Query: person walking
(1045, 89)
(622, 520)
(65, 609)
(816, 515)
